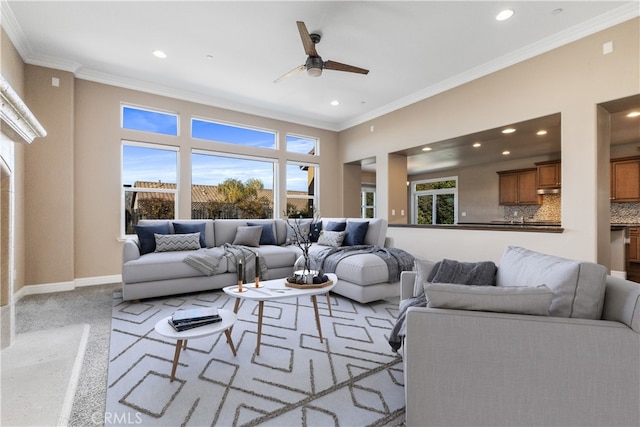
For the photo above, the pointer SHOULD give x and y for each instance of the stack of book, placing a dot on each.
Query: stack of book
(194, 317)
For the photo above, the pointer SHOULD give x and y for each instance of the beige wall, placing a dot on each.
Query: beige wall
(50, 179)
(571, 80)
(68, 204)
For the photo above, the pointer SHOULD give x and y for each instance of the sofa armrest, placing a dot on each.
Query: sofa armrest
(407, 280)
(130, 250)
(480, 368)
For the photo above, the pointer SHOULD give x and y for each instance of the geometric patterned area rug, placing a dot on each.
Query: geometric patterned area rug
(352, 378)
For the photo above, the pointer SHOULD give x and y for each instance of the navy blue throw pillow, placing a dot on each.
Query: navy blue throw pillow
(314, 231)
(355, 233)
(191, 227)
(336, 226)
(267, 237)
(146, 236)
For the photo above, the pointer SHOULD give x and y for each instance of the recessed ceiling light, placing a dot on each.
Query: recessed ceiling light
(634, 114)
(159, 54)
(476, 145)
(426, 149)
(506, 152)
(541, 132)
(335, 102)
(505, 14)
(556, 11)
(508, 130)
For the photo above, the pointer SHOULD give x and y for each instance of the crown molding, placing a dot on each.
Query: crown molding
(621, 14)
(589, 27)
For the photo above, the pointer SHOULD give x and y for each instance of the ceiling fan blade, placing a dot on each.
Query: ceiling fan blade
(332, 65)
(309, 45)
(290, 73)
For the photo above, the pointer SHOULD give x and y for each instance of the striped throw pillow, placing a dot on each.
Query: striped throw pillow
(177, 242)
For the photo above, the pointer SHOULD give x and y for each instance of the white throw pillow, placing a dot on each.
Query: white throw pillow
(331, 238)
(517, 299)
(248, 236)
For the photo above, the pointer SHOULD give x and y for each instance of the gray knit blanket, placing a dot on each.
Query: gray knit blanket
(446, 271)
(210, 261)
(397, 260)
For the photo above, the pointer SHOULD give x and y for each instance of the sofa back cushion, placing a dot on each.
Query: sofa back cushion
(208, 227)
(578, 287)
(376, 232)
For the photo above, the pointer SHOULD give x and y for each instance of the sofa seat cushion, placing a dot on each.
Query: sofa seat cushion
(360, 269)
(578, 287)
(277, 256)
(159, 266)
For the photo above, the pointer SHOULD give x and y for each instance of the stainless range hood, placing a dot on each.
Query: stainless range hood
(548, 191)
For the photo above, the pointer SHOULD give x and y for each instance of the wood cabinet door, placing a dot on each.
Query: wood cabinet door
(508, 189)
(527, 186)
(634, 253)
(625, 181)
(549, 175)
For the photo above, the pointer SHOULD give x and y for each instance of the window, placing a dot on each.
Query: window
(219, 132)
(301, 189)
(149, 183)
(368, 205)
(149, 120)
(301, 144)
(231, 187)
(435, 201)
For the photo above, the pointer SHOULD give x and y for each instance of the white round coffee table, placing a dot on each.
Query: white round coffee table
(276, 289)
(166, 330)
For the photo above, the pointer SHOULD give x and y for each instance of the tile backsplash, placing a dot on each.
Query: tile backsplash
(548, 211)
(621, 213)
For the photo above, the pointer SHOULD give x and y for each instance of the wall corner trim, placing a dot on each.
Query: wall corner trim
(15, 113)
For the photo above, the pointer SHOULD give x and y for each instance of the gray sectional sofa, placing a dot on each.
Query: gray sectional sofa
(361, 277)
(576, 363)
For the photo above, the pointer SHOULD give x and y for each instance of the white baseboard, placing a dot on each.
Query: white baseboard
(98, 280)
(47, 288)
(620, 274)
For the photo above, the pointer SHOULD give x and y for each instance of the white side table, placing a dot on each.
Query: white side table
(166, 330)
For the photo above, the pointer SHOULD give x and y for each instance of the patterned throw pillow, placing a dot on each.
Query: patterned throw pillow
(177, 242)
(331, 238)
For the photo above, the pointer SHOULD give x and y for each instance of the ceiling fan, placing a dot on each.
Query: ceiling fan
(314, 64)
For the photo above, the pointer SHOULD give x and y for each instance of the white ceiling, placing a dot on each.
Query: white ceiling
(413, 49)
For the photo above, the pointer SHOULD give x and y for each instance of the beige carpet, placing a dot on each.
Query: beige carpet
(40, 373)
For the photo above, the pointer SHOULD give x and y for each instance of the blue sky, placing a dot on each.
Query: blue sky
(148, 164)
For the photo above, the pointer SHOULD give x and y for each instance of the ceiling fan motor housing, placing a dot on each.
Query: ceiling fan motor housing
(314, 66)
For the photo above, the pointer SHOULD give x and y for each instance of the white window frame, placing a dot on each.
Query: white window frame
(415, 194)
(363, 201)
(124, 190)
(274, 163)
(316, 179)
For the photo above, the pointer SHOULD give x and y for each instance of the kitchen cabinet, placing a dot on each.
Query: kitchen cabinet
(518, 187)
(625, 179)
(549, 174)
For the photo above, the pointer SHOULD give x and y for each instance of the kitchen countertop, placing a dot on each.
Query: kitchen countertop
(493, 226)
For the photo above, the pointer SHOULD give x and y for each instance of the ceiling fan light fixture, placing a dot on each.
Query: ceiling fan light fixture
(314, 72)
